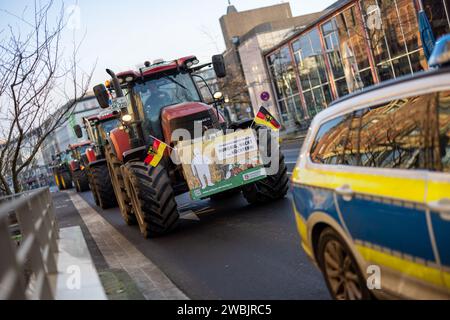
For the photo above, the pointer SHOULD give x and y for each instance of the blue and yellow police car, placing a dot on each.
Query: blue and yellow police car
(371, 188)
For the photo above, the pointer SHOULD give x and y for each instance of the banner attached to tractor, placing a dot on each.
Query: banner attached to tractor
(221, 163)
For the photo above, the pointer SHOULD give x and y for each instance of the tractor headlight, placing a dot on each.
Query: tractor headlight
(127, 118)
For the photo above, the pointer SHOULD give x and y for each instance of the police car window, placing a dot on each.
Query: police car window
(333, 143)
(393, 135)
(442, 134)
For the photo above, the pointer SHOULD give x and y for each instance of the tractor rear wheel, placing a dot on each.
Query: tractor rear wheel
(102, 187)
(152, 197)
(119, 186)
(93, 188)
(81, 180)
(65, 180)
(270, 189)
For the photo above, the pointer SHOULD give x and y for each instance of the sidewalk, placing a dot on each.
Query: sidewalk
(124, 271)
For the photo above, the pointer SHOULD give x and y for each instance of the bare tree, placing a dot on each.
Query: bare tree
(39, 87)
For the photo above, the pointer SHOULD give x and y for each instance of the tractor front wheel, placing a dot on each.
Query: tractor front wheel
(271, 188)
(152, 198)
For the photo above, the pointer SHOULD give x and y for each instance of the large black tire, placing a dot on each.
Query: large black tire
(339, 268)
(102, 187)
(93, 189)
(65, 180)
(119, 187)
(152, 197)
(270, 189)
(81, 180)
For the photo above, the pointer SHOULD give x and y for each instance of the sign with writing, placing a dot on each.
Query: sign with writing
(236, 147)
(222, 163)
(119, 103)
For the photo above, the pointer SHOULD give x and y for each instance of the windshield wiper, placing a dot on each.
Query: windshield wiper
(175, 81)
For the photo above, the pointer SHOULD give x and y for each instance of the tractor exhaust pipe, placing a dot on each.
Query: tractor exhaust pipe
(116, 83)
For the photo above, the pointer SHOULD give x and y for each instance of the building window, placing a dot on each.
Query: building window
(312, 72)
(345, 43)
(283, 76)
(392, 30)
(438, 12)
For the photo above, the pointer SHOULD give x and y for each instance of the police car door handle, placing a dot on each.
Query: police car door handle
(346, 192)
(442, 207)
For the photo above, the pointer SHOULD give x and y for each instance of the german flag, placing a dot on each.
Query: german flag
(264, 118)
(155, 153)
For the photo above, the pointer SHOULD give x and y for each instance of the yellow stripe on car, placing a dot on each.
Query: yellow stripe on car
(410, 268)
(370, 184)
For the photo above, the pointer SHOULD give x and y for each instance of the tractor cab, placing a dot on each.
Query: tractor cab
(78, 153)
(98, 128)
(163, 97)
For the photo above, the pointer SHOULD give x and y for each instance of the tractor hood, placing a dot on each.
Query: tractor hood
(186, 115)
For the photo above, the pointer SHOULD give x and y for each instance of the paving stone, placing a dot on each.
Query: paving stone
(123, 257)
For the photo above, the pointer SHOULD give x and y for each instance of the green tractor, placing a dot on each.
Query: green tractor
(61, 170)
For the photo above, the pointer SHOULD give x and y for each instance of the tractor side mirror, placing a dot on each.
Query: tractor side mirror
(102, 96)
(77, 130)
(219, 66)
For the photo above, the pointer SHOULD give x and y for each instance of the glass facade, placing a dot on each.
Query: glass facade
(438, 12)
(393, 36)
(363, 43)
(283, 75)
(312, 72)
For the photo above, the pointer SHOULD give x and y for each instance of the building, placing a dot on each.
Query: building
(352, 45)
(234, 26)
(64, 135)
(252, 46)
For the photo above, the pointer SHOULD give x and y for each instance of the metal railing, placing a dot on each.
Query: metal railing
(28, 261)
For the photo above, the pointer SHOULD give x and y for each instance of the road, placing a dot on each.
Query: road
(231, 250)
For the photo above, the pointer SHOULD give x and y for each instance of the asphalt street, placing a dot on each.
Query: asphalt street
(231, 250)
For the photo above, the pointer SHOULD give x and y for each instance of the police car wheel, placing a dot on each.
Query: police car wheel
(341, 272)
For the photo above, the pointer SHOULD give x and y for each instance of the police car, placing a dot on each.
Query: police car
(372, 188)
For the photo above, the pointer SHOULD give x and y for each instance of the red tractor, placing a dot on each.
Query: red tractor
(78, 165)
(98, 128)
(155, 101)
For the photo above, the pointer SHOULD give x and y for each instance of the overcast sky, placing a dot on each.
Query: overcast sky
(122, 34)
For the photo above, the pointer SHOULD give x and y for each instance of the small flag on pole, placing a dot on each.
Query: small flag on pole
(155, 153)
(264, 118)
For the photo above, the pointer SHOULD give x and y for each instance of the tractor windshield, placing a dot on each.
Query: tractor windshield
(165, 90)
(109, 125)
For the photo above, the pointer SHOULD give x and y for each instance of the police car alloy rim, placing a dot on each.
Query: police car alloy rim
(341, 272)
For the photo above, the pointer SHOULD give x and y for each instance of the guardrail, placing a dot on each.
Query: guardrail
(28, 263)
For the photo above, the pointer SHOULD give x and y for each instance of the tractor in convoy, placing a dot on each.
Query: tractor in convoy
(153, 102)
(77, 165)
(98, 128)
(61, 170)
